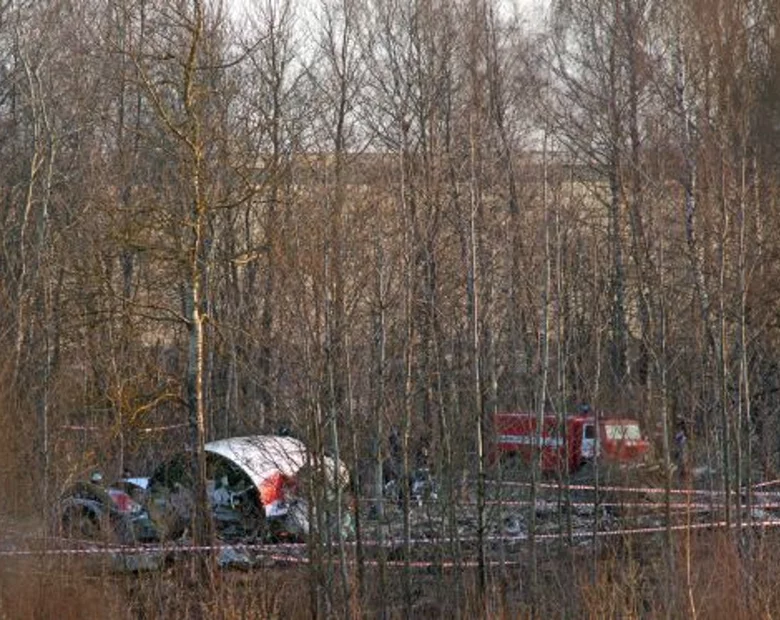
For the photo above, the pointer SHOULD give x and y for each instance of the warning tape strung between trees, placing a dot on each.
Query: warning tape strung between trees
(627, 489)
(274, 549)
(147, 549)
(603, 504)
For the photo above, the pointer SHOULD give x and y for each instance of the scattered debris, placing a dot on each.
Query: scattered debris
(260, 490)
(231, 557)
(137, 562)
(256, 487)
(90, 510)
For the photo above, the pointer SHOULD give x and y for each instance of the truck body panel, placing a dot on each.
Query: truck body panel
(566, 443)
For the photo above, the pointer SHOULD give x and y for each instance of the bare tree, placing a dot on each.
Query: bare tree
(590, 71)
(180, 69)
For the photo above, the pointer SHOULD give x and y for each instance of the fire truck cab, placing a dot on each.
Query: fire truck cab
(566, 443)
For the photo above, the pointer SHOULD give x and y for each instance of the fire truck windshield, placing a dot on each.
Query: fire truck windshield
(623, 432)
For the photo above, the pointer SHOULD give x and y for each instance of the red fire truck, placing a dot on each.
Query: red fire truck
(569, 442)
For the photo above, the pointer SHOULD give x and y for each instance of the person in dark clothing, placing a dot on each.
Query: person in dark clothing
(681, 450)
(393, 463)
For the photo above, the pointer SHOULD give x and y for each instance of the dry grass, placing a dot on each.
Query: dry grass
(724, 582)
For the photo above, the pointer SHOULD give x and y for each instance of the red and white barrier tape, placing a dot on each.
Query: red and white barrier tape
(625, 489)
(648, 505)
(274, 548)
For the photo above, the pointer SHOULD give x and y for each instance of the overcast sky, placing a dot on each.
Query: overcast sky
(531, 10)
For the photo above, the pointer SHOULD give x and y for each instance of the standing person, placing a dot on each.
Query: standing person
(681, 450)
(392, 467)
(394, 461)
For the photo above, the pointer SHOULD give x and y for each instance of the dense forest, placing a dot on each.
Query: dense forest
(353, 218)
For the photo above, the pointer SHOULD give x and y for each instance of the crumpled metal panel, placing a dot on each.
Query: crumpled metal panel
(262, 456)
